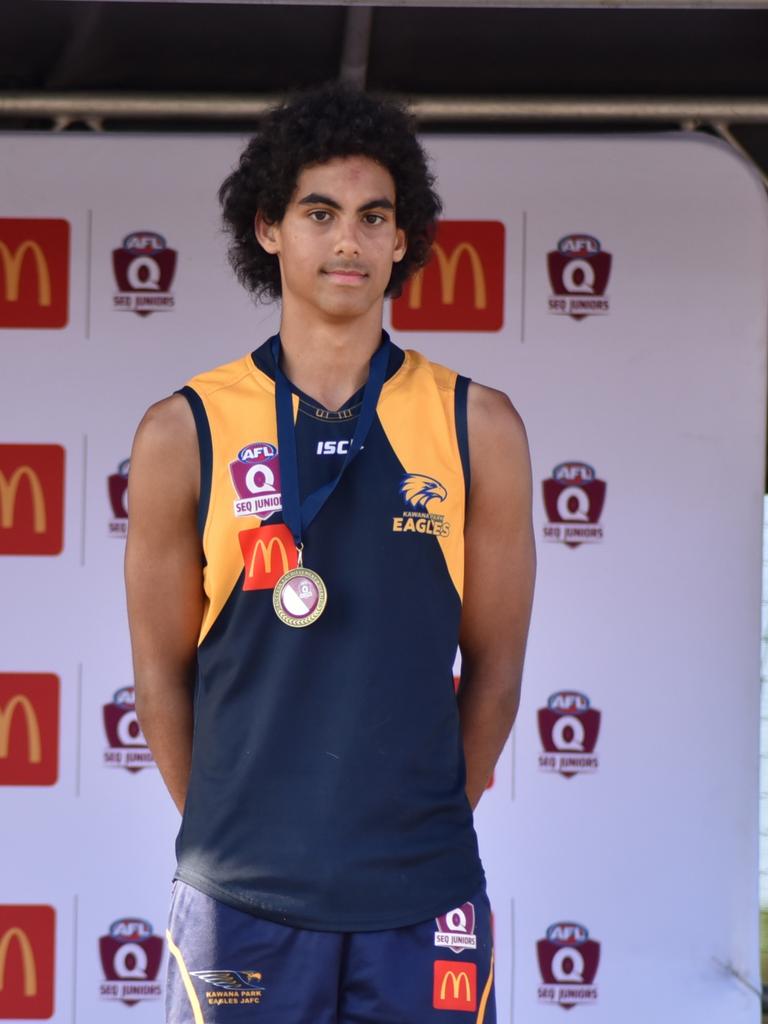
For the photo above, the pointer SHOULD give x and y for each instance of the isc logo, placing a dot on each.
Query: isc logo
(333, 447)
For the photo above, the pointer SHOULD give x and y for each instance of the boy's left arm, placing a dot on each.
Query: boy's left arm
(499, 573)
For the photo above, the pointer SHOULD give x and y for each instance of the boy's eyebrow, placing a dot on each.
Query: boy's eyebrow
(382, 203)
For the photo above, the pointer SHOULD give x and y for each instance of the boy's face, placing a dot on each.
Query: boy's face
(338, 238)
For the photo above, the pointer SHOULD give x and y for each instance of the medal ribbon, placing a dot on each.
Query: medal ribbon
(298, 514)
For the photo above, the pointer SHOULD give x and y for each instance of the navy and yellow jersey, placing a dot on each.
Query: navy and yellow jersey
(327, 781)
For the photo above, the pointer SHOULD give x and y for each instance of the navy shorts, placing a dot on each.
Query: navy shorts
(227, 966)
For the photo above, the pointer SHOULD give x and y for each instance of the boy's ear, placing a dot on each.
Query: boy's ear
(267, 233)
(401, 246)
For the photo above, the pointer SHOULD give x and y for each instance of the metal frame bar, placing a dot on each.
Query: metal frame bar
(357, 44)
(600, 4)
(86, 106)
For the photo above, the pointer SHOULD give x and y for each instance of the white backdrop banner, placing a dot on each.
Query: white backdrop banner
(615, 288)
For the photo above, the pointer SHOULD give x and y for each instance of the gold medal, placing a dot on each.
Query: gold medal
(299, 597)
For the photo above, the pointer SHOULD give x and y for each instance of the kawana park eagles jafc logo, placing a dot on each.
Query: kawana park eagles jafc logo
(418, 491)
(231, 988)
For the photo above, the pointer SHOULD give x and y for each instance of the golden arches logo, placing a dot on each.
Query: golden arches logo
(34, 741)
(266, 555)
(448, 267)
(12, 262)
(9, 492)
(459, 980)
(29, 968)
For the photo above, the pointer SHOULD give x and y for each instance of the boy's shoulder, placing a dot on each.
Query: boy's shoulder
(226, 375)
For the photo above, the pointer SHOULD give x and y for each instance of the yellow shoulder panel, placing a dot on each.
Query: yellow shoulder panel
(239, 402)
(417, 411)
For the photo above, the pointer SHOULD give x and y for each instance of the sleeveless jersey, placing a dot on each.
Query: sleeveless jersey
(327, 780)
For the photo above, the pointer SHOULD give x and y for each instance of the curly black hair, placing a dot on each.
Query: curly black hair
(312, 128)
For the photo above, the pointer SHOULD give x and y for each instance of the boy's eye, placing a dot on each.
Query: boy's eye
(374, 218)
(319, 215)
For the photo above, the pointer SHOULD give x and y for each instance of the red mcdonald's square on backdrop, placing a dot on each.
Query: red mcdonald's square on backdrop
(29, 729)
(31, 499)
(34, 272)
(27, 953)
(462, 286)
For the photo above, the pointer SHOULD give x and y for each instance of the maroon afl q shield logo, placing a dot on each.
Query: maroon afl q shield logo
(130, 959)
(568, 962)
(573, 499)
(256, 478)
(117, 486)
(456, 929)
(568, 728)
(127, 746)
(578, 272)
(144, 267)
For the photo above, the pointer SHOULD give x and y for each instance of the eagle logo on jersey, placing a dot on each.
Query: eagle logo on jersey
(418, 490)
(233, 981)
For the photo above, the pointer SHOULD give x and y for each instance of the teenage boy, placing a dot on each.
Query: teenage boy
(314, 528)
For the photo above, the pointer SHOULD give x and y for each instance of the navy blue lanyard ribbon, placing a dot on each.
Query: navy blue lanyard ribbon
(298, 514)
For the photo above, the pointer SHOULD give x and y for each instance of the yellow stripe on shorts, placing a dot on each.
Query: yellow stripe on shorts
(189, 988)
(486, 994)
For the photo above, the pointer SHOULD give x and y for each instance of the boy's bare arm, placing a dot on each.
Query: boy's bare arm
(163, 574)
(500, 568)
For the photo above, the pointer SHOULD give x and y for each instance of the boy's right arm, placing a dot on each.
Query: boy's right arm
(164, 584)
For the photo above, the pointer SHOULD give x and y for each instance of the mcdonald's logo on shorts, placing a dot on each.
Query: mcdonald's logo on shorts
(27, 947)
(29, 729)
(462, 286)
(31, 499)
(455, 986)
(34, 272)
(269, 552)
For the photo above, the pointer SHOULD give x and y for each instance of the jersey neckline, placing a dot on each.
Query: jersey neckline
(262, 360)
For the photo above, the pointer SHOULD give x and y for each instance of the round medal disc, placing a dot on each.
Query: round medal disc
(299, 597)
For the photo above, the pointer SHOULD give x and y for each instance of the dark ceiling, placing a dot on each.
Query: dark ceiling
(53, 46)
(50, 44)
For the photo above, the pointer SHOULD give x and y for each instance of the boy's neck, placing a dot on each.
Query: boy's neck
(329, 361)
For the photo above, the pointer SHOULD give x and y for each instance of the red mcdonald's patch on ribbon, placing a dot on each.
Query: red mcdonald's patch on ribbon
(269, 552)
